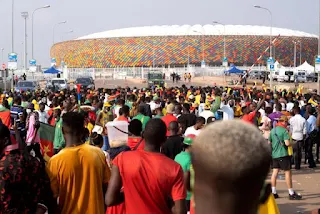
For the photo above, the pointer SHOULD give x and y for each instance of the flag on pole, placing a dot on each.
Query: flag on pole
(46, 133)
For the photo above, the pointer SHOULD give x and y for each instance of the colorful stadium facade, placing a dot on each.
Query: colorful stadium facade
(176, 45)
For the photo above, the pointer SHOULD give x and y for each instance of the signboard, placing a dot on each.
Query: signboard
(270, 64)
(317, 64)
(13, 61)
(225, 62)
(53, 62)
(32, 62)
(203, 64)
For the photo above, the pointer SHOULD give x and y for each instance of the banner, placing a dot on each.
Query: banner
(46, 133)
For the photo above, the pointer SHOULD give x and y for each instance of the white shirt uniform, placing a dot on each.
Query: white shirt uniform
(298, 127)
(228, 113)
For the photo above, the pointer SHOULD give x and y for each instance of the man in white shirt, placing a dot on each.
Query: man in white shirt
(196, 129)
(298, 129)
(43, 115)
(290, 105)
(228, 113)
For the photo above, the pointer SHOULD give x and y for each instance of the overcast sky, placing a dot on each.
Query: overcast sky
(91, 16)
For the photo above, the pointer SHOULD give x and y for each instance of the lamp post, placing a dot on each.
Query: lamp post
(300, 47)
(2, 49)
(270, 45)
(224, 38)
(39, 8)
(59, 23)
(70, 31)
(25, 15)
(12, 28)
(202, 43)
(294, 54)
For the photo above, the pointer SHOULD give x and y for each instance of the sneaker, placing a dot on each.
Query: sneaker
(295, 196)
(275, 195)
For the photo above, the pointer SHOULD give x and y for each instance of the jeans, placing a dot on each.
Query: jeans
(297, 153)
(106, 145)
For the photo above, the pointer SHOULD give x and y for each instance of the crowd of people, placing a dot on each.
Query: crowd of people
(188, 149)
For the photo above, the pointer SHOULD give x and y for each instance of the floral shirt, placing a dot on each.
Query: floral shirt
(23, 183)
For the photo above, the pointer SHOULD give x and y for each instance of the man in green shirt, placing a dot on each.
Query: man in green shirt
(280, 140)
(58, 142)
(184, 159)
(141, 117)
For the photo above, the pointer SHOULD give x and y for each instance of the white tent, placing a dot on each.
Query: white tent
(305, 67)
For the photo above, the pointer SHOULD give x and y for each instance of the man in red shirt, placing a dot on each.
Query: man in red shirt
(150, 180)
(251, 111)
(169, 117)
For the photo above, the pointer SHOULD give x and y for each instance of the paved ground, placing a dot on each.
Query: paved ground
(305, 181)
(198, 81)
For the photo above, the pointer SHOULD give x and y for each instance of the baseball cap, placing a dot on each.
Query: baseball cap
(283, 118)
(170, 108)
(189, 139)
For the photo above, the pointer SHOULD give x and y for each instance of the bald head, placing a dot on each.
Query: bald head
(230, 158)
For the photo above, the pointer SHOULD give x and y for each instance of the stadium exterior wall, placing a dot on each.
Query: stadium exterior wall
(173, 50)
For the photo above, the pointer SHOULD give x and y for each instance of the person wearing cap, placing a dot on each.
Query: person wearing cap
(184, 159)
(102, 119)
(169, 117)
(280, 141)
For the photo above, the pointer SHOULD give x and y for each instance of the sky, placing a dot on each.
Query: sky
(90, 16)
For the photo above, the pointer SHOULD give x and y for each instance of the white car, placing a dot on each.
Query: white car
(58, 83)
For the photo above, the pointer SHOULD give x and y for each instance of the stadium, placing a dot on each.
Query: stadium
(179, 45)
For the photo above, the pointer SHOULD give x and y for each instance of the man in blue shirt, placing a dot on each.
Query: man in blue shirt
(311, 135)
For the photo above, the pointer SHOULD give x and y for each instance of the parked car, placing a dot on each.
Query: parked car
(301, 76)
(312, 77)
(285, 76)
(57, 84)
(85, 82)
(26, 85)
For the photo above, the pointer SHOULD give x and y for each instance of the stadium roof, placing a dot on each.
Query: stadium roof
(184, 30)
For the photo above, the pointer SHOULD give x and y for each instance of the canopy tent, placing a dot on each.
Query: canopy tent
(305, 67)
(52, 70)
(234, 70)
(277, 65)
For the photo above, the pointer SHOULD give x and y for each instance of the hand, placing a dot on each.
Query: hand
(14, 126)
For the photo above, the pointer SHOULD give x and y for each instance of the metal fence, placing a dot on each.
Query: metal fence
(126, 72)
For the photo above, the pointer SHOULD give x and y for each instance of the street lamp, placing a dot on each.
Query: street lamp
(202, 43)
(12, 28)
(300, 47)
(2, 49)
(39, 8)
(70, 31)
(25, 15)
(294, 54)
(59, 23)
(224, 38)
(270, 45)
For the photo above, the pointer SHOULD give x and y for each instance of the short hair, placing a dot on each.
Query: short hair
(96, 139)
(174, 125)
(74, 121)
(211, 120)
(135, 127)
(231, 155)
(201, 120)
(155, 132)
(296, 109)
(125, 110)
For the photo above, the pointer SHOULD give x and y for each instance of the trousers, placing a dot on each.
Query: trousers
(297, 153)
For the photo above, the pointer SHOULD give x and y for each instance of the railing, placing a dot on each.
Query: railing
(127, 72)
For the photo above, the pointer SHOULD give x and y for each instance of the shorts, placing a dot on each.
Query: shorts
(283, 163)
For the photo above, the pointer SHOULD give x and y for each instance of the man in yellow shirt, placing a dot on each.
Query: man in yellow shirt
(78, 173)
